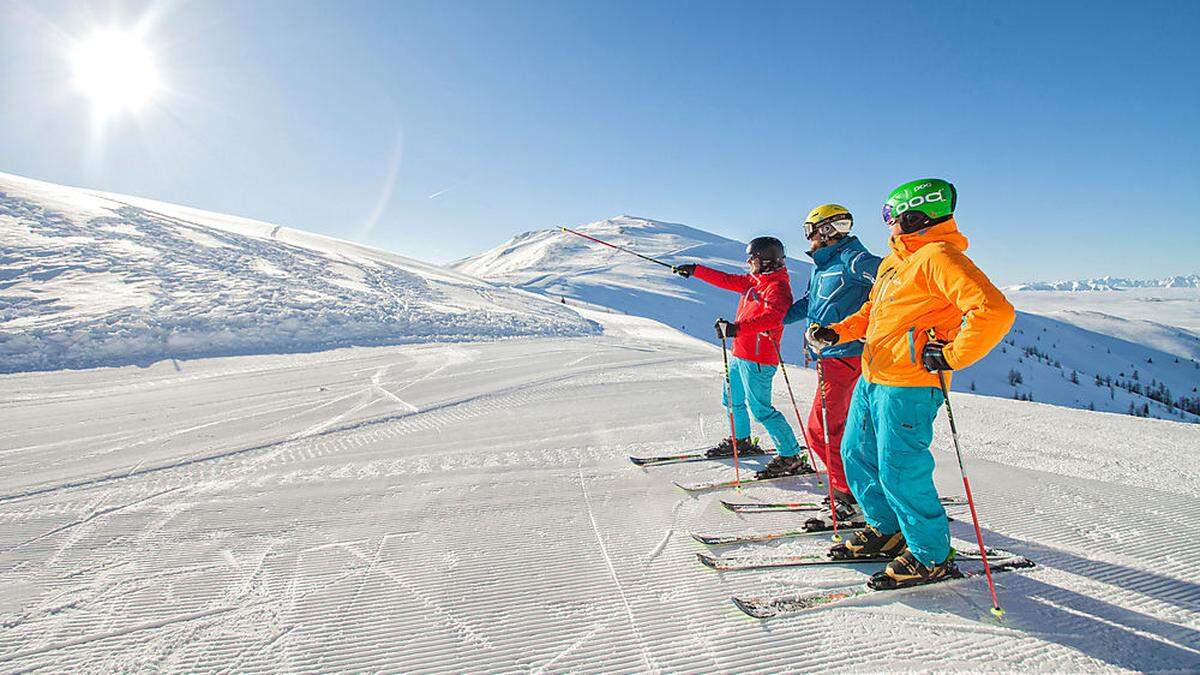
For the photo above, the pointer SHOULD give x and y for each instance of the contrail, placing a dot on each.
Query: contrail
(439, 193)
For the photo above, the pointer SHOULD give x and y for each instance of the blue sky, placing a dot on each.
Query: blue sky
(440, 129)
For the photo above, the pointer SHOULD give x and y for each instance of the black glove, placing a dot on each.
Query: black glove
(821, 337)
(933, 358)
(684, 271)
(725, 329)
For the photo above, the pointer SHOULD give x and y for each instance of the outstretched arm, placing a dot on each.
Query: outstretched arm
(738, 283)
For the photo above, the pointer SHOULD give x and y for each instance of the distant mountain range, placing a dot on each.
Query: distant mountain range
(1109, 284)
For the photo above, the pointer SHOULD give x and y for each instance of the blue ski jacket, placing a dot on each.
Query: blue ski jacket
(840, 283)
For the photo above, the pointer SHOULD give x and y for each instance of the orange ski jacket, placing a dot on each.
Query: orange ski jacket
(927, 282)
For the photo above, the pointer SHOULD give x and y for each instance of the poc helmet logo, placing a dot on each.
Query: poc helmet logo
(917, 201)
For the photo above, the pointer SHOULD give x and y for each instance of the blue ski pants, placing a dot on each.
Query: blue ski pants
(889, 467)
(750, 384)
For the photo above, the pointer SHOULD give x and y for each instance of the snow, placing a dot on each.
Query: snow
(90, 279)
(469, 507)
(386, 497)
(562, 265)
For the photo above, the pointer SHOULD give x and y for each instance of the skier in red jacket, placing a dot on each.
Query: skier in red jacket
(756, 330)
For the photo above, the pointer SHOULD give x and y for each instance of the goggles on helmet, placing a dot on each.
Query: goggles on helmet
(827, 226)
(909, 220)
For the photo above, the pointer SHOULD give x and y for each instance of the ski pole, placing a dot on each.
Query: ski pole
(619, 248)
(828, 450)
(737, 471)
(796, 409)
(792, 396)
(987, 568)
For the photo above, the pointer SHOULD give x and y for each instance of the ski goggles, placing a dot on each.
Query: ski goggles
(812, 229)
(910, 220)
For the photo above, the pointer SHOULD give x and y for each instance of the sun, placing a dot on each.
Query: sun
(115, 70)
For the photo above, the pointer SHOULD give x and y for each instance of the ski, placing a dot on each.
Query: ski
(771, 507)
(716, 485)
(748, 562)
(770, 607)
(729, 539)
(699, 455)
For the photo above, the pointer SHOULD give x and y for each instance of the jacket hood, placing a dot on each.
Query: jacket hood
(822, 256)
(905, 245)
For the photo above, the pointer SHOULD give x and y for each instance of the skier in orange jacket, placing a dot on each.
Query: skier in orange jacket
(927, 286)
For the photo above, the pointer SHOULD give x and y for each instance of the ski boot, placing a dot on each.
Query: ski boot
(745, 446)
(849, 513)
(906, 571)
(780, 466)
(871, 544)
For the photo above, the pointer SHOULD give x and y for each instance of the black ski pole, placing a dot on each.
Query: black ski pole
(619, 248)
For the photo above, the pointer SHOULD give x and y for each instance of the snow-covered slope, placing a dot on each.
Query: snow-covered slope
(468, 507)
(562, 265)
(89, 279)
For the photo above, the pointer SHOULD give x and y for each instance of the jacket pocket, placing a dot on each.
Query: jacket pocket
(912, 346)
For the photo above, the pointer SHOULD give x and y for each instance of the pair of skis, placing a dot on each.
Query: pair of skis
(698, 455)
(732, 563)
(767, 607)
(783, 507)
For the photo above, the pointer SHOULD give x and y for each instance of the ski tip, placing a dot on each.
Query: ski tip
(638, 461)
(707, 560)
(707, 541)
(750, 608)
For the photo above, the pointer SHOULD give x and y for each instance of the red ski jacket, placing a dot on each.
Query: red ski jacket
(765, 300)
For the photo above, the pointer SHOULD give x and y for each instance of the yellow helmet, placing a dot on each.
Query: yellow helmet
(833, 216)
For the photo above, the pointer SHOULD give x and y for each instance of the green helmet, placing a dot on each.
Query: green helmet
(926, 202)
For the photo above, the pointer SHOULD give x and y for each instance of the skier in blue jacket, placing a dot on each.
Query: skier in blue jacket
(841, 281)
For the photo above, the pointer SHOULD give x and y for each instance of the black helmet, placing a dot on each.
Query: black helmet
(767, 249)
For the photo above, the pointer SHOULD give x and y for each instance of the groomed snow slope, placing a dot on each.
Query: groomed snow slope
(562, 265)
(91, 279)
(468, 507)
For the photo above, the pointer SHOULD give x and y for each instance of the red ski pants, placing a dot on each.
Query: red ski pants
(838, 375)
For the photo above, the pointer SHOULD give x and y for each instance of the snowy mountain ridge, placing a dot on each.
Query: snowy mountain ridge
(1108, 283)
(572, 269)
(92, 279)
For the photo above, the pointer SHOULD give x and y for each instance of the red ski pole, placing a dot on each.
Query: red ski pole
(619, 248)
(737, 471)
(792, 396)
(828, 450)
(796, 409)
(987, 568)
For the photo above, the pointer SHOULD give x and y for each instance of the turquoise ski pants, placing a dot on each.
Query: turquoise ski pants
(750, 383)
(885, 450)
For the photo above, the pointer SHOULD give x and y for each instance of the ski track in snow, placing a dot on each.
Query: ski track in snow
(500, 527)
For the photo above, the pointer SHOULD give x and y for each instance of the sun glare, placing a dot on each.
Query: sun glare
(115, 70)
